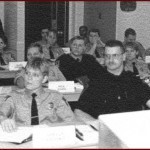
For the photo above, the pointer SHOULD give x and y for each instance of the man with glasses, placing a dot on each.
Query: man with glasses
(117, 90)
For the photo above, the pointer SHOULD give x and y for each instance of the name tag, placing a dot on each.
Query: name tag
(66, 50)
(62, 86)
(13, 66)
(54, 137)
(147, 59)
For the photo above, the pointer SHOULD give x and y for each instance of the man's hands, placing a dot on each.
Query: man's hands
(8, 125)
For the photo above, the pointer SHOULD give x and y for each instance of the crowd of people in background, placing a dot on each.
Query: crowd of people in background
(111, 72)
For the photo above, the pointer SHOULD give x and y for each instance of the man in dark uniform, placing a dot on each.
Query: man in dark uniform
(117, 90)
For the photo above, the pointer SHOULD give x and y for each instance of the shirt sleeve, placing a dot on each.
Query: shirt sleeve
(6, 108)
(64, 110)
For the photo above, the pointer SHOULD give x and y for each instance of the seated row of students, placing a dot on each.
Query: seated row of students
(112, 90)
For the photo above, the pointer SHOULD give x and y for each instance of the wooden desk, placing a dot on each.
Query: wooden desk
(7, 74)
(31, 144)
(73, 97)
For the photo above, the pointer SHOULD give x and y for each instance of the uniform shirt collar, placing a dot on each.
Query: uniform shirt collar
(38, 92)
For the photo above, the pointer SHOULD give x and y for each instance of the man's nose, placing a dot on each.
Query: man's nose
(29, 77)
(111, 58)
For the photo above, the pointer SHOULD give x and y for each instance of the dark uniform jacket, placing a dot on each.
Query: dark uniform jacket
(73, 69)
(114, 94)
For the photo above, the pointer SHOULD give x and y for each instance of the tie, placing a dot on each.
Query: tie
(34, 111)
(2, 60)
(51, 53)
(135, 71)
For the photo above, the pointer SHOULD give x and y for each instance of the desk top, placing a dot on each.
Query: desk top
(7, 74)
(53, 134)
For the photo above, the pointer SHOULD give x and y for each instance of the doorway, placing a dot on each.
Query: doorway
(53, 15)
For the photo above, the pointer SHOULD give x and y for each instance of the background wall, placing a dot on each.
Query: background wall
(13, 22)
(101, 15)
(139, 20)
(2, 12)
(76, 17)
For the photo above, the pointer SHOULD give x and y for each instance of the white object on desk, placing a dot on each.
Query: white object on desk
(16, 65)
(18, 137)
(66, 50)
(78, 86)
(53, 137)
(147, 59)
(125, 130)
(62, 86)
(64, 136)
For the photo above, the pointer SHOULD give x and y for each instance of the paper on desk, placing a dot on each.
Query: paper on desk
(5, 89)
(54, 137)
(90, 136)
(64, 136)
(66, 50)
(16, 65)
(62, 86)
(78, 86)
(18, 137)
(147, 59)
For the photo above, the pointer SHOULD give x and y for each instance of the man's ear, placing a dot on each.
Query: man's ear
(45, 79)
(124, 56)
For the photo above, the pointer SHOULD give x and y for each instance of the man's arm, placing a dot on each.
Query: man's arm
(6, 115)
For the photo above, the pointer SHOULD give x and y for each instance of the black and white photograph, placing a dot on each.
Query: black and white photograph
(74, 74)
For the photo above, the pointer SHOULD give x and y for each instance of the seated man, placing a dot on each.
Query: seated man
(35, 50)
(134, 64)
(83, 32)
(34, 105)
(130, 36)
(52, 49)
(116, 91)
(95, 46)
(78, 66)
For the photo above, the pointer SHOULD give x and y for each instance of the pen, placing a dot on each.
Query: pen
(81, 134)
(93, 127)
(80, 138)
